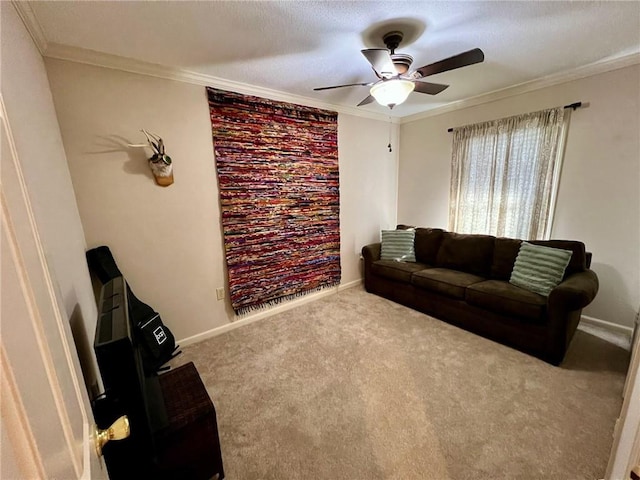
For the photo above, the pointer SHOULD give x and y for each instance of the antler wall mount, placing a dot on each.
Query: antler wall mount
(160, 163)
(396, 80)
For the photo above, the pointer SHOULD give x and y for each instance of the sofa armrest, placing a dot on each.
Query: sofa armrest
(575, 292)
(371, 253)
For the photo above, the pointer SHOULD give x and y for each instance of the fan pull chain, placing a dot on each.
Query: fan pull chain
(390, 125)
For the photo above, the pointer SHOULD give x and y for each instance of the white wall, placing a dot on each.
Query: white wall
(368, 182)
(168, 241)
(32, 119)
(599, 195)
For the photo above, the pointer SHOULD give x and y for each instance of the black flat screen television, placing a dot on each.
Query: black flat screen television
(128, 391)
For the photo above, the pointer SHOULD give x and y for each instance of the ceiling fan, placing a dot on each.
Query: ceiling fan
(396, 80)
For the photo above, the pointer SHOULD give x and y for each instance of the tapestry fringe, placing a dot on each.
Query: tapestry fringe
(276, 301)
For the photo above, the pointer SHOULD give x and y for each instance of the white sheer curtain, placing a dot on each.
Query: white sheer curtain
(505, 174)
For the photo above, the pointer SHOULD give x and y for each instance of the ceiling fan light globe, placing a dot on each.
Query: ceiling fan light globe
(392, 92)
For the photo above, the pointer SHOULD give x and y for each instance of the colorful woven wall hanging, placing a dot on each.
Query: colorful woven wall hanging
(277, 167)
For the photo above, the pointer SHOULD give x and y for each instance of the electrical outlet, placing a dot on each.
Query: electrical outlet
(220, 293)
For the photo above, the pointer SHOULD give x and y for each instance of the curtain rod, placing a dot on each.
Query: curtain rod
(571, 105)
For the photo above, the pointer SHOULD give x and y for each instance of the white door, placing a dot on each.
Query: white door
(46, 420)
(625, 451)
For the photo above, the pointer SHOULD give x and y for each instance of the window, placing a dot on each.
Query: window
(505, 175)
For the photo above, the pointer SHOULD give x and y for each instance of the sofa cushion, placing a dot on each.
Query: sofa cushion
(578, 262)
(502, 297)
(539, 269)
(505, 252)
(467, 253)
(447, 282)
(427, 243)
(398, 245)
(400, 271)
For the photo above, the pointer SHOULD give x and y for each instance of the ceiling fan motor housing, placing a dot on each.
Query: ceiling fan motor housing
(402, 62)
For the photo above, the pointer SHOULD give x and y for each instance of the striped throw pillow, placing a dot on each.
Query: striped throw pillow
(398, 245)
(539, 269)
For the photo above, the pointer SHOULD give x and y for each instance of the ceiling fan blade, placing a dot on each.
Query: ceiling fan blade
(429, 88)
(380, 60)
(346, 85)
(366, 101)
(461, 60)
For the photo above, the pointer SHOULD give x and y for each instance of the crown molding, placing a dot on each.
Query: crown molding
(33, 26)
(596, 68)
(116, 62)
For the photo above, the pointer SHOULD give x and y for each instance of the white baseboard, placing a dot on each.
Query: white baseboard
(344, 286)
(246, 320)
(611, 327)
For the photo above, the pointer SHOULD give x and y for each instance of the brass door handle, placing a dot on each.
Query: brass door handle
(119, 430)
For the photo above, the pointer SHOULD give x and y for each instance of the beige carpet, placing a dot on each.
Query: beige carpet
(353, 386)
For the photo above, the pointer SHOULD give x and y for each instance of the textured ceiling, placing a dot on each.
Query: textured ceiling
(295, 46)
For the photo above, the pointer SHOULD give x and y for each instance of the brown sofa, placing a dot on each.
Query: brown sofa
(464, 280)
